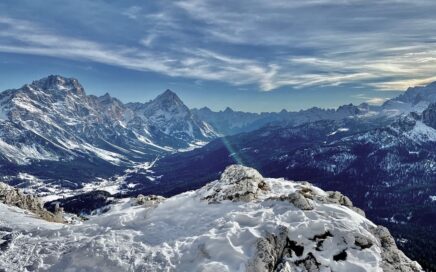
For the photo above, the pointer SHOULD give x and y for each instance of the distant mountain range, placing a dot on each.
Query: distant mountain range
(55, 135)
(229, 122)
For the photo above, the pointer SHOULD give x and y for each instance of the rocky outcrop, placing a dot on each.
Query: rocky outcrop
(282, 251)
(299, 201)
(149, 200)
(237, 183)
(393, 259)
(270, 251)
(277, 253)
(12, 196)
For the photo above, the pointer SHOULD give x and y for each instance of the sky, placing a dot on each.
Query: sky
(250, 55)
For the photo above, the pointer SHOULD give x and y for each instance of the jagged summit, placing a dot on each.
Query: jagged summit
(169, 93)
(168, 96)
(59, 83)
(228, 110)
(413, 99)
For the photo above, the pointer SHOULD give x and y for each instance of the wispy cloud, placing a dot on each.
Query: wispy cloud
(386, 45)
(375, 100)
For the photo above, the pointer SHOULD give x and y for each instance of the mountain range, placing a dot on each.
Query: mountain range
(52, 131)
(57, 141)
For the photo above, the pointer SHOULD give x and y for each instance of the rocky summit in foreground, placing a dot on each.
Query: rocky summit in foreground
(242, 222)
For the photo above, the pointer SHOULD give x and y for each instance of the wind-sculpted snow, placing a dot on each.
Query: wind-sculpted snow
(269, 231)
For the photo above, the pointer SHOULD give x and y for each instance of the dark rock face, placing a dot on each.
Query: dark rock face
(429, 116)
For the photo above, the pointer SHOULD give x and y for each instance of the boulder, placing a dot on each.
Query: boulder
(237, 183)
(299, 201)
(149, 200)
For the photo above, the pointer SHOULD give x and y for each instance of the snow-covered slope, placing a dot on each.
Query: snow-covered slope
(242, 222)
(414, 99)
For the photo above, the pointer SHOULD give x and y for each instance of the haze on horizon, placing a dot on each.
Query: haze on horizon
(249, 55)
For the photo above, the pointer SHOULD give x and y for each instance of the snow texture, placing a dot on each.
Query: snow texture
(243, 222)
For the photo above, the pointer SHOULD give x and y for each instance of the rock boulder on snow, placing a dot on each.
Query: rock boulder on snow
(149, 200)
(237, 183)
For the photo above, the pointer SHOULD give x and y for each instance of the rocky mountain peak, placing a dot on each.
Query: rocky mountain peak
(59, 83)
(228, 110)
(168, 96)
(429, 116)
(168, 101)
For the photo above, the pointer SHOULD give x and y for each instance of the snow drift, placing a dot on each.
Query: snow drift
(242, 222)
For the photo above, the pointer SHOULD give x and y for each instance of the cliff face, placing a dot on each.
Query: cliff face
(241, 222)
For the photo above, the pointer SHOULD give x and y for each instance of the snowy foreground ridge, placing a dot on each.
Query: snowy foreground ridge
(242, 222)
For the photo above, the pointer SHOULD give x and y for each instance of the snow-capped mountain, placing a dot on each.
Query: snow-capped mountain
(415, 99)
(241, 222)
(51, 128)
(229, 122)
(169, 115)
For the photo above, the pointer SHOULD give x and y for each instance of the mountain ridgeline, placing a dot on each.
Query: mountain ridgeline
(52, 130)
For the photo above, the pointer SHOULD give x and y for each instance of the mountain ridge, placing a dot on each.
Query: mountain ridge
(52, 123)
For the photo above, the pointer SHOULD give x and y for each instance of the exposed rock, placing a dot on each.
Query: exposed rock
(362, 241)
(269, 251)
(149, 200)
(12, 196)
(309, 264)
(277, 253)
(299, 201)
(237, 183)
(392, 258)
(7, 240)
(339, 198)
(429, 116)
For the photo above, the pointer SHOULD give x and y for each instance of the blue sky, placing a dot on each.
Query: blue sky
(249, 55)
